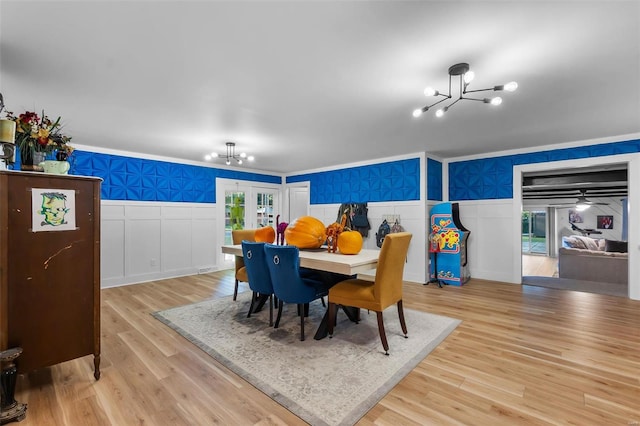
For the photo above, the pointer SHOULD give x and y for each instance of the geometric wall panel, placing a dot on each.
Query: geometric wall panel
(434, 180)
(491, 178)
(391, 181)
(137, 179)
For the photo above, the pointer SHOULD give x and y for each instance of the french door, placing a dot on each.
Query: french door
(246, 205)
(534, 232)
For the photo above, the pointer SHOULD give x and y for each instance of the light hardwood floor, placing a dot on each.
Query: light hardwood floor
(540, 266)
(522, 355)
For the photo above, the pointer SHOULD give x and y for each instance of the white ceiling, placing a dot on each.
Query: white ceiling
(307, 85)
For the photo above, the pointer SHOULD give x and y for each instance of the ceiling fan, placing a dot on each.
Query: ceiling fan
(582, 203)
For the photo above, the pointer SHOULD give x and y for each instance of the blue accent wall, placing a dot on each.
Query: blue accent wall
(127, 178)
(492, 178)
(434, 180)
(391, 181)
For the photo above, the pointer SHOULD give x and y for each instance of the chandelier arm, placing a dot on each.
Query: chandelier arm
(479, 90)
(453, 103)
(438, 102)
(473, 99)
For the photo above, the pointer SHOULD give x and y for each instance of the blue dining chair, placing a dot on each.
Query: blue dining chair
(258, 275)
(288, 286)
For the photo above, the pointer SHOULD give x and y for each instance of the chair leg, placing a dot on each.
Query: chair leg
(301, 307)
(331, 318)
(403, 324)
(323, 304)
(254, 297)
(235, 290)
(383, 335)
(280, 304)
(270, 310)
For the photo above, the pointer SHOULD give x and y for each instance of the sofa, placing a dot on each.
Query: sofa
(591, 259)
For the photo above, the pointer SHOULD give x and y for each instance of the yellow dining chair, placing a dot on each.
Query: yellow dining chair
(379, 294)
(238, 236)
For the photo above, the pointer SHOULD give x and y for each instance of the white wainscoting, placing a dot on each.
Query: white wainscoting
(144, 241)
(490, 249)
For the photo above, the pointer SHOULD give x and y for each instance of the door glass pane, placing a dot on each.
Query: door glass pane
(233, 213)
(534, 232)
(264, 209)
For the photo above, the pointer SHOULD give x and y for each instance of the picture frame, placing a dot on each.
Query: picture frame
(575, 216)
(53, 210)
(604, 222)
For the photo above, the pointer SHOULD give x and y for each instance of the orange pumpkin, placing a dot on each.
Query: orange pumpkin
(305, 232)
(265, 234)
(350, 242)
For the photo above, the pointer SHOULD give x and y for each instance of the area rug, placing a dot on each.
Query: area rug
(333, 381)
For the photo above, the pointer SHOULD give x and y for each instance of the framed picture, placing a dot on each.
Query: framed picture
(604, 222)
(53, 209)
(575, 216)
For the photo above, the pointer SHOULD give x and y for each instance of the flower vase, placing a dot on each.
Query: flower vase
(30, 161)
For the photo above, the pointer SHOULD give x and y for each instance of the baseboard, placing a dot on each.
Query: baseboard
(155, 276)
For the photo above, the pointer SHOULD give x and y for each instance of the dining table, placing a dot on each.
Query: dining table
(323, 260)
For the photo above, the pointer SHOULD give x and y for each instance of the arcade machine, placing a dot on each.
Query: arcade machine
(447, 246)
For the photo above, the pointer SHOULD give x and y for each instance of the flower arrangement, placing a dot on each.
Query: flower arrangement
(40, 134)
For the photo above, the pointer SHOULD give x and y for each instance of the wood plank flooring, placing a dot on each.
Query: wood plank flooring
(522, 355)
(539, 266)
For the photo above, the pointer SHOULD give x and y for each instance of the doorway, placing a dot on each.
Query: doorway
(298, 202)
(550, 189)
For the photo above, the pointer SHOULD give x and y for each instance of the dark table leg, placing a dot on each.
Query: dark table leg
(323, 328)
(262, 299)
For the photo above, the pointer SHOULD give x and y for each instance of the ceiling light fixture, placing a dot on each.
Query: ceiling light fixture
(582, 206)
(462, 71)
(230, 155)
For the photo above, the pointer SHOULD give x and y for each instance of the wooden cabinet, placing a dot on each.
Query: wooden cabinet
(49, 268)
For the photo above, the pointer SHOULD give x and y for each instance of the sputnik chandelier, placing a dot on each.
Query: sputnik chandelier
(230, 155)
(465, 76)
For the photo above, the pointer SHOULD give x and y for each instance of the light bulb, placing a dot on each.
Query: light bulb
(214, 155)
(243, 155)
(417, 112)
(239, 161)
(510, 87)
(251, 158)
(228, 162)
(582, 207)
(430, 91)
(207, 157)
(439, 113)
(496, 101)
(469, 76)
